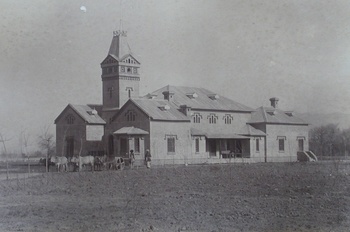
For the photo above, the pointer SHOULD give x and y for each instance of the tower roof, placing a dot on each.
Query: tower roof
(119, 45)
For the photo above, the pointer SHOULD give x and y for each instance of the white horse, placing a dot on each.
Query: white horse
(59, 161)
(83, 160)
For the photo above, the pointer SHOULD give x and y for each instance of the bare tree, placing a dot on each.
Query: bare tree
(24, 141)
(47, 143)
(3, 140)
(324, 139)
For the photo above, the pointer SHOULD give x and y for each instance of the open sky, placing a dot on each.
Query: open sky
(50, 53)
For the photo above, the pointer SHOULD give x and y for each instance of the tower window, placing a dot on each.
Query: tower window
(129, 89)
(115, 69)
(104, 70)
(257, 148)
(122, 69)
(110, 90)
(134, 70)
(128, 70)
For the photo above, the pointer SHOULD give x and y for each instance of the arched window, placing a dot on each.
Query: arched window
(228, 119)
(212, 118)
(197, 118)
(130, 116)
(70, 119)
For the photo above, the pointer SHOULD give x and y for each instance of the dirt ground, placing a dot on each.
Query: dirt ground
(239, 197)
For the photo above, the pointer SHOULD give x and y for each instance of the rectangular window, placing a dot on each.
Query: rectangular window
(137, 145)
(171, 144)
(281, 144)
(197, 145)
(257, 148)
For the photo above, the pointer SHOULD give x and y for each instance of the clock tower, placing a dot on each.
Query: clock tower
(120, 75)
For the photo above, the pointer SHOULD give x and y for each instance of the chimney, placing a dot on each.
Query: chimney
(274, 102)
(168, 95)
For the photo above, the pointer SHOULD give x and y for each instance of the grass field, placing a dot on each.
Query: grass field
(239, 197)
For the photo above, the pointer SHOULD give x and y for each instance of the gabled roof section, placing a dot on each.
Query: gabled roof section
(197, 132)
(89, 115)
(129, 59)
(110, 59)
(204, 99)
(160, 110)
(274, 116)
(249, 130)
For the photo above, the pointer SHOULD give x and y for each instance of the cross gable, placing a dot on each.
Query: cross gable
(129, 59)
(110, 59)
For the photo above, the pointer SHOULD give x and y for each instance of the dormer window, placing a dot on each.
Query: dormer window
(151, 96)
(213, 96)
(92, 112)
(289, 113)
(271, 112)
(164, 108)
(191, 95)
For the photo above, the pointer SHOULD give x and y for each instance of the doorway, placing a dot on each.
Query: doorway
(212, 147)
(70, 146)
(301, 144)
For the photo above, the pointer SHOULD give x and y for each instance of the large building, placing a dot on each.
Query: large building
(178, 124)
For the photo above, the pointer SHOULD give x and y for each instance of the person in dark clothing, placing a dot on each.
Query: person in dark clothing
(132, 158)
(148, 158)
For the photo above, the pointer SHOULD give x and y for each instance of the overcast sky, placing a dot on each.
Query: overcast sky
(50, 53)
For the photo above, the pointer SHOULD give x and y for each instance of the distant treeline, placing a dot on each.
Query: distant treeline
(329, 140)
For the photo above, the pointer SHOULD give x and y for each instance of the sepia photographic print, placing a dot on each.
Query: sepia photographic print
(175, 115)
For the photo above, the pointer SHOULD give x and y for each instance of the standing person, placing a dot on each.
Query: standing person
(148, 158)
(132, 158)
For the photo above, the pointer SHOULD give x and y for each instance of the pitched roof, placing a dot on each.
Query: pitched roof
(156, 109)
(276, 116)
(119, 46)
(249, 130)
(86, 113)
(130, 131)
(226, 136)
(200, 98)
(195, 131)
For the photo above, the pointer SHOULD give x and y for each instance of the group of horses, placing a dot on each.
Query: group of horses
(78, 162)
